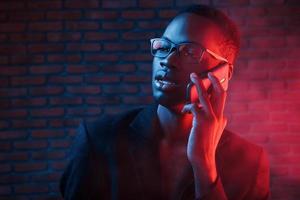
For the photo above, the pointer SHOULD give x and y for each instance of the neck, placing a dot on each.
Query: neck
(176, 126)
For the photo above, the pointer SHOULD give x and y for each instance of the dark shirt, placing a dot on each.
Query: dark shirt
(117, 157)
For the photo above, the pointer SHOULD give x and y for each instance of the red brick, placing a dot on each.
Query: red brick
(47, 112)
(46, 69)
(23, 123)
(141, 100)
(138, 14)
(3, 37)
(263, 42)
(5, 190)
(14, 156)
(4, 168)
(10, 178)
(82, 25)
(145, 67)
(102, 79)
(60, 143)
(13, 92)
(101, 57)
(122, 47)
(27, 59)
(59, 123)
(87, 90)
(264, 21)
(45, 48)
(137, 78)
(251, 117)
(4, 60)
(7, 49)
(45, 26)
(83, 47)
(136, 57)
(269, 128)
(58, 165)
(82, 4)
(47, 90)
(101, 15)
(120, 89)
(4, 83)
(4, 124)
(63, 37)
(12, 70)
(28, 80)
(31, 188)
(103, 100)
(63, 15)
(119, 3)
(79, 111)
(5, 146)
(70, 58)
(65, 79)
(27, 37)
(27, 167)
(137, 35)
(42, 133)
(47, 177)
(46, 4)
(5, 135)
(27, 145)
(13, 113)
(12, 27)
(117, 25)
(78, 69)
(155, 3)
(65, 101)
(12, 5)
(266, 2)
(145, 89)
(26, 16)
(167, 13)
(153, 24)
(290, 138)
(28, 102)
(230, 3)
(98, 36)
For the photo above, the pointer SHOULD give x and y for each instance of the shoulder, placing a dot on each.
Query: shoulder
(232, 142)
(103, 131)
(240, 161)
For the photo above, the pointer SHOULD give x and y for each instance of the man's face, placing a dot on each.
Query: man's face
(184, 28)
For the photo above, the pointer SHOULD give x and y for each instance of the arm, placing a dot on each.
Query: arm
(208, 125)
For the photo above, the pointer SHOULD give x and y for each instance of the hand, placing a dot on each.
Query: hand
(207, 127)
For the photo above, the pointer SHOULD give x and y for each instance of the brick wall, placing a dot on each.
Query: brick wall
(63, 61)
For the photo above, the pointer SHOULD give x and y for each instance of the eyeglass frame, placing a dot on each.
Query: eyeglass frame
(176, 46)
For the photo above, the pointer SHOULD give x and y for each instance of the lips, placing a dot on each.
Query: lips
(164, 82)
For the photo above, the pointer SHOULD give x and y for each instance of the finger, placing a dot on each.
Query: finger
(192, 108)
(202, 94)
(222, 127)
(218, 95)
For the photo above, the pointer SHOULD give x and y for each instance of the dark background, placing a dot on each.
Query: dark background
(63, 61)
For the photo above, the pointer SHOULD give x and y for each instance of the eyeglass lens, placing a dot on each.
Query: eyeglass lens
(188, 52)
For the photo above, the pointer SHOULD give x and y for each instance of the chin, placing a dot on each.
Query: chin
(169, 101)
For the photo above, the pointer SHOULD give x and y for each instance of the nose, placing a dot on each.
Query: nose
(171, 61)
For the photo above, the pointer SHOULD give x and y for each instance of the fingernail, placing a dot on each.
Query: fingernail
(193, 76)
(210, 75)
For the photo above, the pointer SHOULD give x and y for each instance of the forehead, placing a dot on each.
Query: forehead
(193, 28)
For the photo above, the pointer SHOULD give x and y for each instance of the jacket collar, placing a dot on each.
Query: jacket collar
(146, 123)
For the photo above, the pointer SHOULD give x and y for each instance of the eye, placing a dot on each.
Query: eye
(161, 46)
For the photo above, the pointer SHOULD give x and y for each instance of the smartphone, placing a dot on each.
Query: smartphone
(220, 71)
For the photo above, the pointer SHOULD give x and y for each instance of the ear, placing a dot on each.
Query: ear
(230, 71)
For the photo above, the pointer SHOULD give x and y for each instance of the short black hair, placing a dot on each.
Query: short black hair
(231, 44)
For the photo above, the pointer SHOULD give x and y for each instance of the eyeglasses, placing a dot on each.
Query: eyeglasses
(189, 52)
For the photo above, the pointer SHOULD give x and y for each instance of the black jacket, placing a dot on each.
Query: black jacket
(116, 157)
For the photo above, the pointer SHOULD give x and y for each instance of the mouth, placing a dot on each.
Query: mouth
(165, 83)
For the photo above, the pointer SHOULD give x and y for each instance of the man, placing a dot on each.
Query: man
(177, 148)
